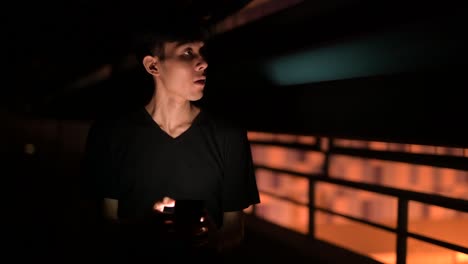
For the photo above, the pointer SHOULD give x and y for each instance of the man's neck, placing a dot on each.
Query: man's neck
(171, 116)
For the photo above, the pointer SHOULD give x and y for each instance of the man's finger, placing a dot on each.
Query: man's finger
(165, 202)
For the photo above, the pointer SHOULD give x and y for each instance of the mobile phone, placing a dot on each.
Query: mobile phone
(189, 211)
(168, 209)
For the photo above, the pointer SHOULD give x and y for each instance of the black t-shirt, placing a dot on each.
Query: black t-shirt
(131, 159)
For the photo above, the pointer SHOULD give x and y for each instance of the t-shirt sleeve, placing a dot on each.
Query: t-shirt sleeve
(97, 178)
(239, 183)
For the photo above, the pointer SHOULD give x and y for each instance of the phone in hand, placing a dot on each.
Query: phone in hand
(189, 210)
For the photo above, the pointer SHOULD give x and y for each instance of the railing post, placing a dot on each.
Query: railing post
(326, 144)
(312, 208)
(402, 229)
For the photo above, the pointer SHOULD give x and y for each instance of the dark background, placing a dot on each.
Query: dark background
(52, 45)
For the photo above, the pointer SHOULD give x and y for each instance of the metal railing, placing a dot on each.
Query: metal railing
(403, 196)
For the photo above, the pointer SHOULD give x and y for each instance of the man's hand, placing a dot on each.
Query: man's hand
(205, 232)
(163, 215)
(166, 202)
(196, 228)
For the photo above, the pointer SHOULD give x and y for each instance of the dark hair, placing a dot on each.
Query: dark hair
(150, 39)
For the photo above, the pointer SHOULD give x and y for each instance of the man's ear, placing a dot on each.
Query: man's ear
(151, 64)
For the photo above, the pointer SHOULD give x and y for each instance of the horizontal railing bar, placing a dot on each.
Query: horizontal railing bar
(282, 197)
(444, 161)
(356, 219)
(432, 199)
(294, 173)
(438, 242)
(311, 147)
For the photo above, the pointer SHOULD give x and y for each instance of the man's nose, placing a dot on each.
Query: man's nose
(201, 65)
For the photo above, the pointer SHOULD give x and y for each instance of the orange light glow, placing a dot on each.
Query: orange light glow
(432, 221)
(461, 257)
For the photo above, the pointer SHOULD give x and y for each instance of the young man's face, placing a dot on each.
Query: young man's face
(182, 71)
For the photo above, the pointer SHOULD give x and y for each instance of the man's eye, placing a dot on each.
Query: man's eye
(188, 53)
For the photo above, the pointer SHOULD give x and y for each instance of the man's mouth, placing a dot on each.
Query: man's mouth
(201, 81)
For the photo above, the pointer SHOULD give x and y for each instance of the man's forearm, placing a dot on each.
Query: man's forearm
(231, 234)
(230, 239)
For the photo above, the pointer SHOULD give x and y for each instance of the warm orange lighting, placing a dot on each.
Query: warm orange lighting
(440, 223)
(420, 178)
(376, 145)
(399, 147)
(306, 140)
(260, 136)
(283, 213)
(284, 185)
(324, 144)
(282, 138)
(432, 221)
(461, 257)
(249, 209)
(289, 159)
(374, 207)
(385, 257)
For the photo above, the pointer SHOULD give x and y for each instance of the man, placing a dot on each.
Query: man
(171, 150)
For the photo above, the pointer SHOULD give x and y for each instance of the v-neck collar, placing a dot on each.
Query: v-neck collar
(155, 125)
